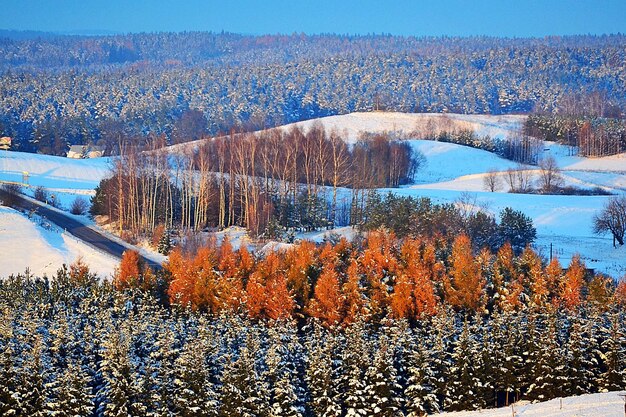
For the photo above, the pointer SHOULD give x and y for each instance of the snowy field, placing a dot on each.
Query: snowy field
(43, 249)
(451, 172)
(412, 124)
(608, 404)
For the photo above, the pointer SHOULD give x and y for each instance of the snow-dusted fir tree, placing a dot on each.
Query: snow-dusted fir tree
(465, 372)
(119, 394)
(165, 243)
(508, 336)
(579, 358)
(34, 372)
(546, 362)
(194, 394)
(354, 359)
(613, 357)
(419, 394)
(9, 399)
(161, 367)
(442, 336)
(72, 394)
(382, 390)
(240, 387)
(279, 374)
(320, 374)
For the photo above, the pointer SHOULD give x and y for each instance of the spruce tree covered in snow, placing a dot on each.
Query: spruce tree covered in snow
(579, 358)
(546, 363)
(194, 394)
(613, 356)
(242, 388)
(33, 381)
(441, 360)
(465, 381)
(9, 381)
(165, 243)
(354, 357)
(120, 393)
(72, 394)
(419, 395)
(382, 390)
(320, 373)
(283, 398)
(161, 369)
(507, 360)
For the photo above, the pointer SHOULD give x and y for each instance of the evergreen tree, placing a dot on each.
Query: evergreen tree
(382, 389)
(10, 403)
(72, 393)
(319, 373)
(240, 387)
(283, 396)
(165, 243)
(613, 347)
(193, 391)
(419, 392)
(119, 395)
(465, 372)
(352, 376)
(579, 359)
(547, 362)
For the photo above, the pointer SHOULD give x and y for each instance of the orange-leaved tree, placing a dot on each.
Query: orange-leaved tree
(267, 294)
(79, 271)
(352, 290)
(414, 293)
(380, 266)
(129, 273)
(620, 293)
(572, 284)
(327, 302)
(464, 286)
(181, 286)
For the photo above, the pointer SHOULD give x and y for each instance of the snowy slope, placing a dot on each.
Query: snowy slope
(53, 172)
(450, 171)
(448, 161)
(608, 404)
(413, 124)
(24, 244)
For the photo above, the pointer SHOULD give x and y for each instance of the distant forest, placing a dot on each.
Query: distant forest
(61, 90)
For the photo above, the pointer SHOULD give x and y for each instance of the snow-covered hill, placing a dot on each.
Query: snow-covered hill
(450, 172)
(25, 244)
(608, 404)
(415, 124)
(53, 172)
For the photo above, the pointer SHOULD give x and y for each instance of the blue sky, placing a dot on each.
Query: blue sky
(399, 17)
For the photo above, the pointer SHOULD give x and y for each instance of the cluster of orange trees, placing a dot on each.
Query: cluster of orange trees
(378, 277)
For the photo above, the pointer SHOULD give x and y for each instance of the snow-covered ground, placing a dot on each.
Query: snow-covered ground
(608, 404)
(451, 171)
(415, 124)
(43, 250)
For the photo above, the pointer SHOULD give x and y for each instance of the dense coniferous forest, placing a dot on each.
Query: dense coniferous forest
(472, 334)
(60, 90)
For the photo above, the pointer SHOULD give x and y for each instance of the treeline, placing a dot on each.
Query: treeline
(376, 279)
(270, 181)
(76, 90)
(518, 147)
(420, 217)
(74, 346)
(585, 135)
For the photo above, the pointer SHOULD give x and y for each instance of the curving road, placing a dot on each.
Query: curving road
(71, 225)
